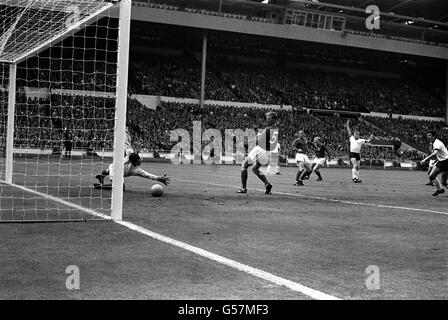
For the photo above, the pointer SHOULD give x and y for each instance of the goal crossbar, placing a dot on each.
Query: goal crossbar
(46, 40)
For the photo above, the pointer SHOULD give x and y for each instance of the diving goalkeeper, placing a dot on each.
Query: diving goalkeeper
(132, 167)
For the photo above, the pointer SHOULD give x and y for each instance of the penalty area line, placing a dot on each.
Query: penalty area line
(322, 198)
(294, 286)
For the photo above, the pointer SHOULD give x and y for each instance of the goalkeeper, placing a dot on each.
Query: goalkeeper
(131, 168)
(132, 164)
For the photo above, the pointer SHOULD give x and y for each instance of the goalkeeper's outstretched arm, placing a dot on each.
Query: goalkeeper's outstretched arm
(144, 174)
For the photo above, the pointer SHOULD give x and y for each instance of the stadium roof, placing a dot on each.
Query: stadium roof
(427, 9)
(427, 13)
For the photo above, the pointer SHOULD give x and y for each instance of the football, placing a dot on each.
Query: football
(157, 190)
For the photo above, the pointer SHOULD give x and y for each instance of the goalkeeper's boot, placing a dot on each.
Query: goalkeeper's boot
(100, 178)
(268, 188)
(435, 194)
(241, 190)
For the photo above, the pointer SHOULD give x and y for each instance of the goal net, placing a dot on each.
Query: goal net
(60, 107)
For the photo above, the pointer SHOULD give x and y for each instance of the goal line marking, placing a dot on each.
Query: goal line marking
(62, 201)
(294, 286)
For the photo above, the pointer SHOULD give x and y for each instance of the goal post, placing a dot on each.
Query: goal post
(10, 122)
(63, 98)
(121, 107)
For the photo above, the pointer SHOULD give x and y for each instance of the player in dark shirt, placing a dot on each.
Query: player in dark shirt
(260, 154)
(320, 159)
(301, 145)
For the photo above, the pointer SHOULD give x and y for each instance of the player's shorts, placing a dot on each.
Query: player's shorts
(432, 163)
(301, 157)
(258, 154)
(442, 165)
(355, 155)
(319, 161)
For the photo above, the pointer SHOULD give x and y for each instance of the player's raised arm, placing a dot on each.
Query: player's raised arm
(347, 125)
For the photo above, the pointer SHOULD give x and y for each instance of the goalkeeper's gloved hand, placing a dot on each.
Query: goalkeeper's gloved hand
(164, 179)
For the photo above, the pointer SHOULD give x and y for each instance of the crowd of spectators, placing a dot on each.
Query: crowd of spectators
(78, 73)
(229, 80)
(41, 122)
(410, 130)
(179, 76)
(151, 128)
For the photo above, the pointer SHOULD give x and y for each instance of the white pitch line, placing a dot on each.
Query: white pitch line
(315, 294)
(66, 203)
(297, 287)
(322, 198)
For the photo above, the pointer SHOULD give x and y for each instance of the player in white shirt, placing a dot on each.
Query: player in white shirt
(441, 154)
(431, 165)
(356, 144)
(132, 164)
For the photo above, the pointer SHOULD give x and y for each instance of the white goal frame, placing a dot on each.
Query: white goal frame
(124, 7)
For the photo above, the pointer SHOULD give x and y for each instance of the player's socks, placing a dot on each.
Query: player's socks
(263, 178)
(437, 183)
(354, 177)
(305, 174)
(299, 173)
(244, 179)
(319, 176)
(268, 188)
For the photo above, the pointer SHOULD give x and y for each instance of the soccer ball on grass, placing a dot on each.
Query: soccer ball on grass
(157, 190)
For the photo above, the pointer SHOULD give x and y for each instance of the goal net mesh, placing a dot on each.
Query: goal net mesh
(66, 57)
